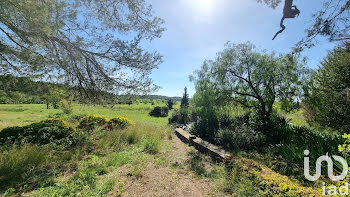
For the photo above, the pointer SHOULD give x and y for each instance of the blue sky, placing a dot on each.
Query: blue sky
(197, 29)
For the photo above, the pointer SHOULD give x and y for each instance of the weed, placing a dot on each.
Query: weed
(19, 164)
(138, 166)
(152, 145)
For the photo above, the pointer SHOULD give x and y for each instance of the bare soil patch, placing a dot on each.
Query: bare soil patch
(174, 179)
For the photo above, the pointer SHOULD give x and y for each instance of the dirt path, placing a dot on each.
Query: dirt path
(174, 179)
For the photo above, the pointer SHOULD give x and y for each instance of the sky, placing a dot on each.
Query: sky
(197, 29)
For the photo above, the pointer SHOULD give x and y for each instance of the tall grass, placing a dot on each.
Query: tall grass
(39, 168)
(19, 164)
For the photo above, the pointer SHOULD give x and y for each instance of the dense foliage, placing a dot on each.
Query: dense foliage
(159, 111)
(49, 131)
(89, 123)
(120, 122)
(25, 90)
(242, 76)
(185, 101)
(71, 41)
(170, 104)
(329, 99)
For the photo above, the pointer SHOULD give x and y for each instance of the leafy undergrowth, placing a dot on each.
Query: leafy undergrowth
(242, 176)
(246, 177)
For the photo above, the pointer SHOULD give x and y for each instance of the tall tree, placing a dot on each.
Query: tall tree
(250, 78)
(185, 100)
(328, 103)
(92, 44)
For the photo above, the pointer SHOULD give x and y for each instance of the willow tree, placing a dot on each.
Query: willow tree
(91, 44)
(252, 79)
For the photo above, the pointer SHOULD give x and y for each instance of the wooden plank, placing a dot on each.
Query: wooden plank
(202, 145)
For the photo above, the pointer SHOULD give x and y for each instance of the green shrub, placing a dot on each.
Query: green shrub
(206, 127)
(290, 141)
(49, 131)
(120, 122)
(159, 112)
(240, 137)
(90, 122)
(170, 104)
(176, 117)
(66, 106)
(294, 140)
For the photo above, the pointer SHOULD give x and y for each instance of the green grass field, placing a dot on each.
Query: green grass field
(23, 114)
(102, 151)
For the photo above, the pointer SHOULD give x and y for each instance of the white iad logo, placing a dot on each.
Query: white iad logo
(329, 161)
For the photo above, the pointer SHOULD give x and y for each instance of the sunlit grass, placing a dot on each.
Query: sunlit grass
(91, 164)
(23, 114)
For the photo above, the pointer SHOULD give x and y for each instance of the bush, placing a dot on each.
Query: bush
(290, 141)
(177, 117)
(294, 140)
(159, 112)
(240, 137)
(183, 115)
(239, 133)
(120, 122)
(49, 131)
(66, 106)
(206, 127)
(90, 122)
(170, 104)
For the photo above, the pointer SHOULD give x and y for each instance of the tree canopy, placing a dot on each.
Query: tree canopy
(329, 100)
(250, 78)
(91, 44)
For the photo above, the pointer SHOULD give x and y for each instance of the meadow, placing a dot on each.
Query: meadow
(48, 170)
(23, 114)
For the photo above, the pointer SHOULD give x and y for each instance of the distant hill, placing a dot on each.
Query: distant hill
(174, 98)
(23, 90)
